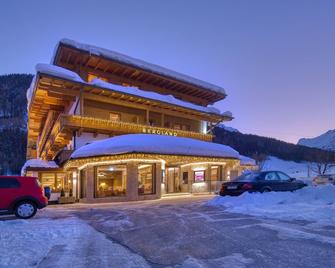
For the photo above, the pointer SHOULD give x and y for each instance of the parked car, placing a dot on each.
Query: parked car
(323, 179)
(266, 181)
(21, 196)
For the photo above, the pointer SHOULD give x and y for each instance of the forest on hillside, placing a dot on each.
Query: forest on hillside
(13, 121)
(254, 146)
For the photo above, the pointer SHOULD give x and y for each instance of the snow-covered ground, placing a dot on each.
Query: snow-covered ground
(312, 204)
(293, 169)
(68, 242)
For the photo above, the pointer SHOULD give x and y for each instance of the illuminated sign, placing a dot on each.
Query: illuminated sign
(199, 176)
(159, 132)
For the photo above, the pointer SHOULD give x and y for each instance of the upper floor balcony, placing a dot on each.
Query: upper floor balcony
(57, 134)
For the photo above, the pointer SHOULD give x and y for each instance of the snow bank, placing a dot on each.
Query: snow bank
(67, 242)
(315, 204)
(115, 56)
(38, 163)
(157, 144)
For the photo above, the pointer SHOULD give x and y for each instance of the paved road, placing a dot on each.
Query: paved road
(185, 232)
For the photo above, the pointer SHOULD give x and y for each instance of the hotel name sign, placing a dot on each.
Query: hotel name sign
(149, 130)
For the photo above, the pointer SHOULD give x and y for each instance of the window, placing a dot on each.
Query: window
(214, 173)
(111, 180)
(9, 183)
(146, 183)
(185, 177)
(271, 176)
(115, 117)
(177, 126)
(283, 177)
(199, 176)
(90, 77)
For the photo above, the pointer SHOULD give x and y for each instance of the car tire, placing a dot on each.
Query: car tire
(266, 190)
(25, 210)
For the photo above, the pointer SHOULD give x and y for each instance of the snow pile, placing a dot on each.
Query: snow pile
(315, 204)
(293, 169)
(156, 144)
(67, 242)
(121, 58)
(38, 163)
(326, 141)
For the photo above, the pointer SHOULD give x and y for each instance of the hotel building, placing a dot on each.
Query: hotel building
(105, 127)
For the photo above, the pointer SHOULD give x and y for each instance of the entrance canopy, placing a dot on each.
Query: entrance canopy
(155, 144)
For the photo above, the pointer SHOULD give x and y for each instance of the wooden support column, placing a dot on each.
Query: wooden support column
(90, 183)
(158, 182)
(81, 103)
(132, 181)
(147, 116)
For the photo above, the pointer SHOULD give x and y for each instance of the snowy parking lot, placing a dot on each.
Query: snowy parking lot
(205, 231)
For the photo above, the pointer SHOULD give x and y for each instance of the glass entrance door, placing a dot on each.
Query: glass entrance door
(173, 184)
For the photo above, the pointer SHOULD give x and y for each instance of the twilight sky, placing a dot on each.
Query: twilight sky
(276, 59)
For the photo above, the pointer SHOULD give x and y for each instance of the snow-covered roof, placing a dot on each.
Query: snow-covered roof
(153, 68)
(247, 161)
(38, 163)
(168, 99)
(154, 144)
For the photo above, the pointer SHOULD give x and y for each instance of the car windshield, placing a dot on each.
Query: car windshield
(247, 177)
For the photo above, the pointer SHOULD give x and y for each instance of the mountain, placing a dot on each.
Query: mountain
(254, 146)
(13, 121)
(326, 141)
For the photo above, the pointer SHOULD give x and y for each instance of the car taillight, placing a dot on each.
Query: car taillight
(247, 186)
(222, 187)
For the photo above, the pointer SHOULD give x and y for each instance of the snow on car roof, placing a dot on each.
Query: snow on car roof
(154, 144)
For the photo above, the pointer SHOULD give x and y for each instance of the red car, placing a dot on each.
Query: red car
(21, 196)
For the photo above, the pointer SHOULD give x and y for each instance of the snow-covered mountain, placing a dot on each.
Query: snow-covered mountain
(230, 129)
(325, 141)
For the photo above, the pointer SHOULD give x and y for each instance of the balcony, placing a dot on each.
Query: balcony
(62, 131)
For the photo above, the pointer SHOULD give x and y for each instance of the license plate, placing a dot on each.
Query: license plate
(231, 187)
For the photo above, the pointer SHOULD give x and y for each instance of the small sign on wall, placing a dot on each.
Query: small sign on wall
(199, 176)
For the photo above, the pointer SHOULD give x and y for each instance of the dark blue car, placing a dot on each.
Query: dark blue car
(265, 181)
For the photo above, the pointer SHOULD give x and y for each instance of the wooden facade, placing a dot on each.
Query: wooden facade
(65, 114)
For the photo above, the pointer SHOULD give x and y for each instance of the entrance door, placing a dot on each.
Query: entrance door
(173, 180)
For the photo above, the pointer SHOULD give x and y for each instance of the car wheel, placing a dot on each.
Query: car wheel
(266, 190)
(25, 210)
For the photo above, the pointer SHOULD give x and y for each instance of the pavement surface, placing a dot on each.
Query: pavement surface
(185, 232)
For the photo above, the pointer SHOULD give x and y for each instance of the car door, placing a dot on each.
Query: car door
(9, 188)
(286, 183)
(271, 180)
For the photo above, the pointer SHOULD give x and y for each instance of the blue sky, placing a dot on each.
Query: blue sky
(276, 59)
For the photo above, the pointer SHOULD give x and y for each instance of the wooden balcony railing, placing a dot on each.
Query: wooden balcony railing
(66, 124)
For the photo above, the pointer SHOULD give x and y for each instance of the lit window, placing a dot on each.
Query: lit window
(111, 180)
(177, 126)
(146, 183)
(90, 77)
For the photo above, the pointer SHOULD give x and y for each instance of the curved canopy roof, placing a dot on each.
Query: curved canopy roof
(154, 144)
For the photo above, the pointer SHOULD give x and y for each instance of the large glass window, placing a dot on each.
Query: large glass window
(56, 182)
(146, 182)
(111, 180)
